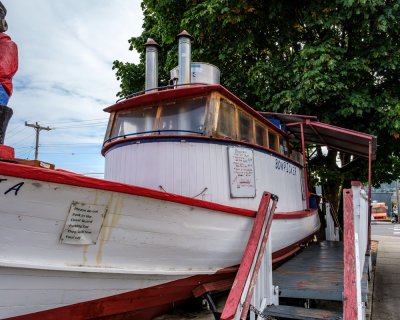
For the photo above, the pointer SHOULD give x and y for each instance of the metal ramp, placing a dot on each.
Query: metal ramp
(290, 312)
(315, 273)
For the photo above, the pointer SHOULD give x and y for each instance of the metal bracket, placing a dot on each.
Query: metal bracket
(211, 304)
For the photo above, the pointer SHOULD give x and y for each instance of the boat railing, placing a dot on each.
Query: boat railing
(253, 288)
(167, 87)
(332, 222)
(151, 132)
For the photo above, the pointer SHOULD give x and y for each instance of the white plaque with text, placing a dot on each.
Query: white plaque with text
(241, 173)
(83, 223)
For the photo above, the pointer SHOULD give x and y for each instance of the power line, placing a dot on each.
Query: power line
(80, 127)
(16, 127)
(25, 154)
(22, 139)
(102, 124)
(93, 173)
(71, 153)
(69, 144)
(73, 121)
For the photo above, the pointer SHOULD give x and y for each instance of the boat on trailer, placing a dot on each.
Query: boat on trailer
(185, 170)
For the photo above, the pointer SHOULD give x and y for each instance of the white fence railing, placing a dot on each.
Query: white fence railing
(331, 230)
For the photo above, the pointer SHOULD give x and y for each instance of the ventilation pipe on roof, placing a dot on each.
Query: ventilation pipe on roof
(184, 57)
(151, 76)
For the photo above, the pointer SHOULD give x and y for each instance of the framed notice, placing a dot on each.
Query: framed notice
(241, 173)
(83, 223)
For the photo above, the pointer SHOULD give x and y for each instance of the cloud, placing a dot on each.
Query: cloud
(66, 50)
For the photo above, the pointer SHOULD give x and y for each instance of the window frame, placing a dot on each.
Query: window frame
(115, 114)
(216, 133)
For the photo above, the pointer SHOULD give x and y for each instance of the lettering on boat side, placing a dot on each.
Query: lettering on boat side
(14, 188)
(83, 223)
(285, 166)
(241, 173)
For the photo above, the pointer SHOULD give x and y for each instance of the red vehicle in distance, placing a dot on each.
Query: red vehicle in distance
(378, 211)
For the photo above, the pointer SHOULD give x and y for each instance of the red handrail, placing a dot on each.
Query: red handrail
(256, 235)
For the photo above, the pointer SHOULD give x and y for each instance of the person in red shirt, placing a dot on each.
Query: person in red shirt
(8, 67)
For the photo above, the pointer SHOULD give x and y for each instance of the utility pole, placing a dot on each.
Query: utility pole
(38, 128)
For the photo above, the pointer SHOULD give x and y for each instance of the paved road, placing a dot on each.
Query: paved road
(385, 228)
(386, 294)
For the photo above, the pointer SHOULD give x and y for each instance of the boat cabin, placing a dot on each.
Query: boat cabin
(205, 111)
(195, 138)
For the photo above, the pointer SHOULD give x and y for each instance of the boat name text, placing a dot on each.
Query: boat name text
(14, 188)
(285, 166)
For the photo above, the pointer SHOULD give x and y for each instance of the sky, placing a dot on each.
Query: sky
(65, 77)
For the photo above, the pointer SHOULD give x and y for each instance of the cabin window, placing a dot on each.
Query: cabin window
(183, 118)
(283, 147)
(137, 121)
(272, 139)
(226, 126)
(261, 135)
(296, 156)
(245, 127)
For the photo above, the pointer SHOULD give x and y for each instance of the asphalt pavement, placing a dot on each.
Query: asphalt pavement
(386, 293)
(385, 228)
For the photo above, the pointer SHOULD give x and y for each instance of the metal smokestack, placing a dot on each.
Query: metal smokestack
(184, 57)
(151, 65)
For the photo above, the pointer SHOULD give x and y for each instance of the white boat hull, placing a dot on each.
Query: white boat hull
(143, 240)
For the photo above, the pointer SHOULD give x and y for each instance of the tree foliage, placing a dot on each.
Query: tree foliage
(338, 60)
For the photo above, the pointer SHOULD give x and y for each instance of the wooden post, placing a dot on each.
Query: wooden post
(350, 289)
(303, 148)
(355, 237)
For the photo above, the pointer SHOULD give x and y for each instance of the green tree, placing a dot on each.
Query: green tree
(338, 60)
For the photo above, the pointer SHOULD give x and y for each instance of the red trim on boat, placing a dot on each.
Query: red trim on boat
(221, 285)
(296, 214)
(157, 96)
(27, 172)
(183, 137)
(142, 304)
(286, 255)
(74, 179)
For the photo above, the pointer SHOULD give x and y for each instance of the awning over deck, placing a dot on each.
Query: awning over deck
(315, 132)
